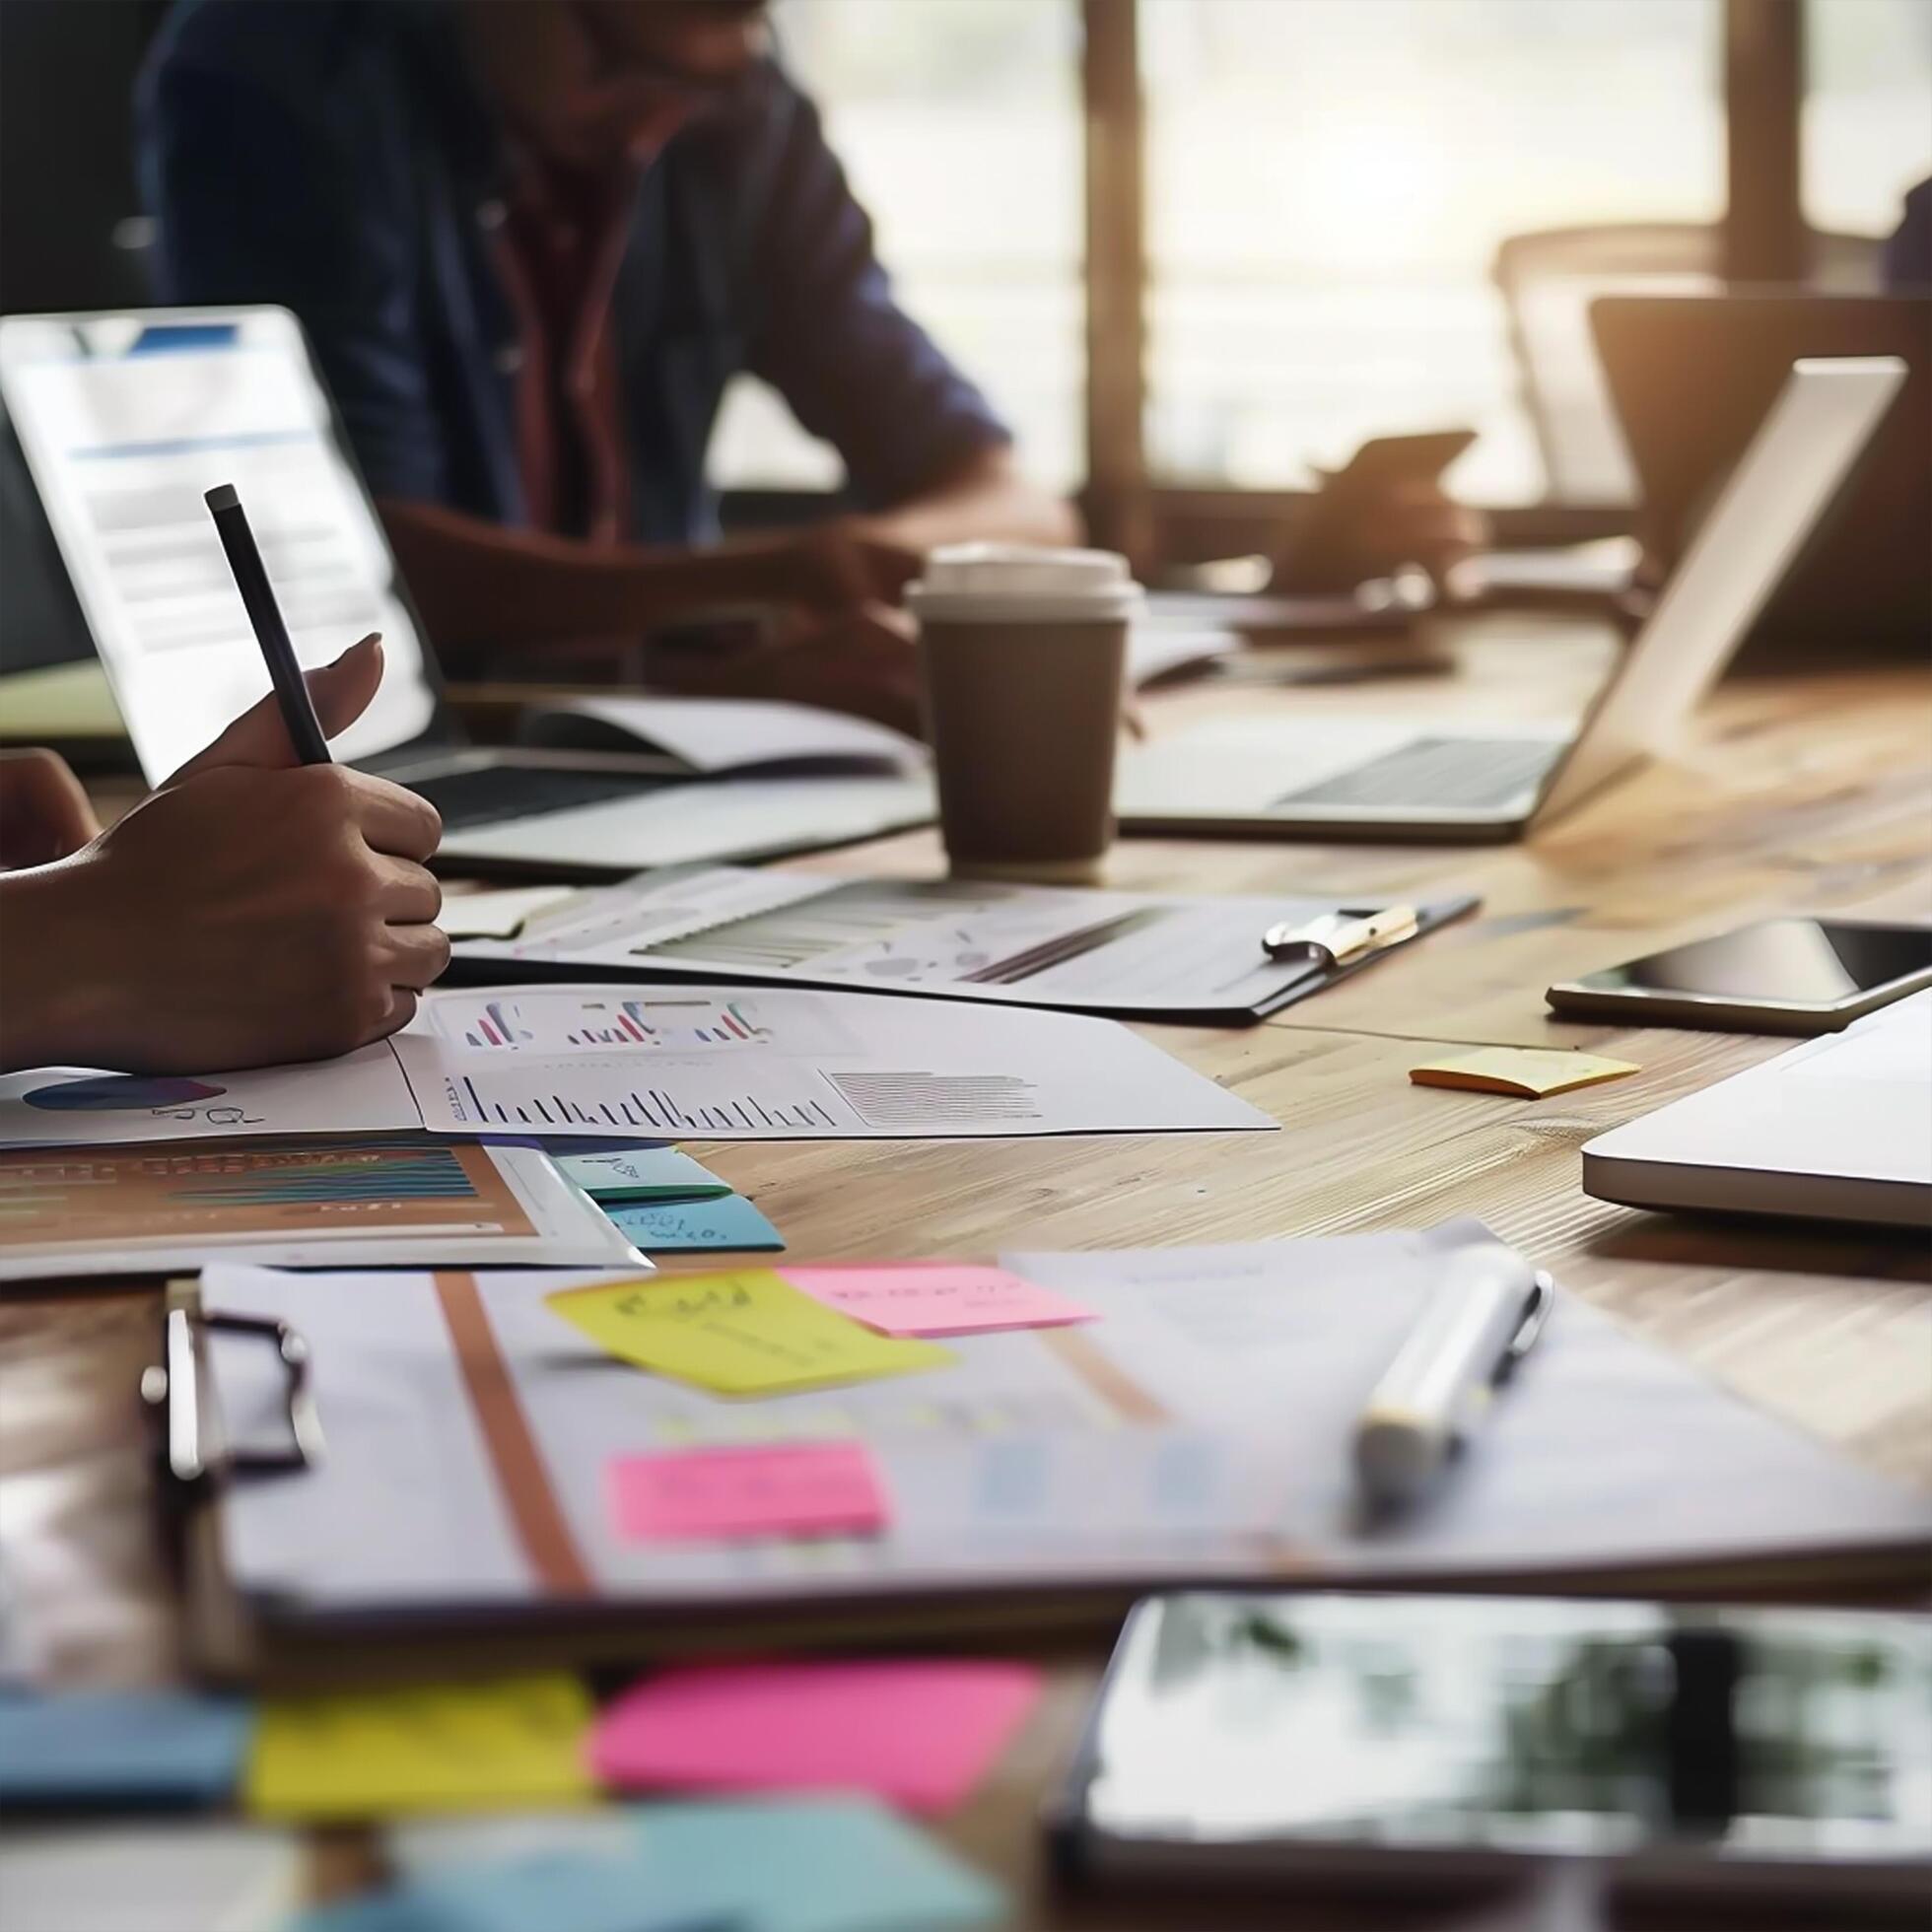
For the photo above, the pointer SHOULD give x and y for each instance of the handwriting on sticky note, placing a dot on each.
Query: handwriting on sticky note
(744, 1332)
(1529, 1073)
(917, 1732)
(508, 1742)
(936, 1298)
(760, 1489)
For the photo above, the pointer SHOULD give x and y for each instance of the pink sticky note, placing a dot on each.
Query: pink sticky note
(769, 1488)
(936, 1298)
(919, 1734)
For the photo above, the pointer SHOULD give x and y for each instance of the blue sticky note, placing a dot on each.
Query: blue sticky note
(836, 1865)
(696, 1226)
(809, 1865)
(639, 1174)
(560, 1892)
(83, 1747)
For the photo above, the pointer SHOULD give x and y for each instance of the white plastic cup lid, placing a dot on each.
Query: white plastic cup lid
(1016, 582)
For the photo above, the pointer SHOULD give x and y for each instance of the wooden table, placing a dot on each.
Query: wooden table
(1796, 794)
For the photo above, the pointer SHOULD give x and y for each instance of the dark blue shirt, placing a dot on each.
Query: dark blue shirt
(335, 157)
(1909, 253)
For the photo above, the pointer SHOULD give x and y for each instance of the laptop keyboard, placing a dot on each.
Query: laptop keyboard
(486, 794)
(1437, 775)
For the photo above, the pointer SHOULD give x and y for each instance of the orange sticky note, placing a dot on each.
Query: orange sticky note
(758, 1489)
(1528, 1072)
(929, 1298)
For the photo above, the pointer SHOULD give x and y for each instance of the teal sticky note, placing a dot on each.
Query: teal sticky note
(74, 1749)
(697, 1227)
(641, 1174)
(840, 1865)
(781, 1865)
(561, 1893)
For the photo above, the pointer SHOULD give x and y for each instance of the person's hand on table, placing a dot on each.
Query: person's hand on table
(844, 563)
(860, 660)
(44, 812)
(248, 911)
(1374, 532)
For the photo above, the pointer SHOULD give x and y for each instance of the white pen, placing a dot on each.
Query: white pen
(1481, 1320)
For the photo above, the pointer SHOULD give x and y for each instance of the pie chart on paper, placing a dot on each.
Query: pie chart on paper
(113, 1093)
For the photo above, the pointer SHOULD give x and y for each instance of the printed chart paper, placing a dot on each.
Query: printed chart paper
(721, 1062)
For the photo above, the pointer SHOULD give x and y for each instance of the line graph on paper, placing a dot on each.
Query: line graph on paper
(533, 1020)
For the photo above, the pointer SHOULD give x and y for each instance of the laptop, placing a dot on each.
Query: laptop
(1415, 779)
(1692, 377)
(125, 419)
(1839, 1129)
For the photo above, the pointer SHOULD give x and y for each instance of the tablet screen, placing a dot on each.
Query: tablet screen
(125, 421)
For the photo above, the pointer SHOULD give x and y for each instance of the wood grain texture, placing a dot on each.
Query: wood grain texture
(1787, 795)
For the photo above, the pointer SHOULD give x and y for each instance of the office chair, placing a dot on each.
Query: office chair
(1548, 280)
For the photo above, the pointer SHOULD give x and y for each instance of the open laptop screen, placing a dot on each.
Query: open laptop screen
(125, 421)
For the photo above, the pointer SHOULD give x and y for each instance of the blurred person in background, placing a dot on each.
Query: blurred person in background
(531, 241)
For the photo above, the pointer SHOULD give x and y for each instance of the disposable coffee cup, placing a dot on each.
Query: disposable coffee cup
(1022, 653)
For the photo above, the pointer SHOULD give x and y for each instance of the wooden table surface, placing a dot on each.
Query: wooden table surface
(1810, 794)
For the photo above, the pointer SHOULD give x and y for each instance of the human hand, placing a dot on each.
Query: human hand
(844, 563)
(248, 912)
(1354, 534)
(44, 813)
(860, 660)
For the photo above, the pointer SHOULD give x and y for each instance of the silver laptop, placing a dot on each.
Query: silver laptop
(1415, 777)
(1839, 1129)
(125, 419)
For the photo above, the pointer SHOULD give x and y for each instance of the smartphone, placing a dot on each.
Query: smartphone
(1780, 976)
(1420, 1741)
(1327, 540)
(1384, 462)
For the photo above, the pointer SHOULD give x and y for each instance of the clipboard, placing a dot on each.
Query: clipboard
(436, 1496)
(1187, 959)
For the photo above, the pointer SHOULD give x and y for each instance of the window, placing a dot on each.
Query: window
(1868, 111)
(958, 122)
(1328, 181)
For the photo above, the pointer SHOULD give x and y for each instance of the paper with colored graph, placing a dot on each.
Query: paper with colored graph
(366, 1201)
(749, 1333)
(936, 1298)
(503, 1743)
(765, 1489)
(691, 1063)
(720, 1062)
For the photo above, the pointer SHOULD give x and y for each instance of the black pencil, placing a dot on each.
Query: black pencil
(265, 616)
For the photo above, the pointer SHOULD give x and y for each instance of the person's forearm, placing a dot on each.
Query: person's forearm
(477, 584)
(988, 501)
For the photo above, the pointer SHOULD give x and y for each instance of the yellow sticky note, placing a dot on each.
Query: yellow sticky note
(743, 1333)
(1529, 1073)
(512, 1743)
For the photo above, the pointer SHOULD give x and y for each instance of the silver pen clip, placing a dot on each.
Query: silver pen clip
(1535, 1315)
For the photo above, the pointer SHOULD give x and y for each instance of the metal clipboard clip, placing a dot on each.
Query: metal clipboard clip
(172, 1388)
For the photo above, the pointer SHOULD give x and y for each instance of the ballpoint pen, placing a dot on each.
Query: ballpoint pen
(265, 619)
(1332, 938)
(1482, 1317)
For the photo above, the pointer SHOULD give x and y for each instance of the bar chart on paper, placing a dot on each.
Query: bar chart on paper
(620, 1096)
(541, 1023)
(719, 1063)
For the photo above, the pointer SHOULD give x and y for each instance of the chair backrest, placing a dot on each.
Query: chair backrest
(1548, 280)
